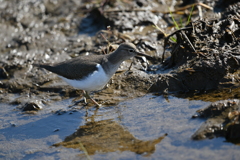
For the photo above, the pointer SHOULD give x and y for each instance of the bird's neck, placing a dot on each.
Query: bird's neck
(116, 58)
(113, 60)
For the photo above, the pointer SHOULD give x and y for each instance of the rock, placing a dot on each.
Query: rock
(32, 106)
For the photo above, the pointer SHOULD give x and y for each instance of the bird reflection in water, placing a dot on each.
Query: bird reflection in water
(107, 136)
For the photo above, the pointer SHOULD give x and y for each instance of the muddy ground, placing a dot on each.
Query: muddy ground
(198, 61)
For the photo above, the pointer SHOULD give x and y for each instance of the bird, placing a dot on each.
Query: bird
(92, 72)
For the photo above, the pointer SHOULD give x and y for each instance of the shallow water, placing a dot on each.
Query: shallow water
(134, 129)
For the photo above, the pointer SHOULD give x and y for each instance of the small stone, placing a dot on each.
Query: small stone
(56, 130)
(32, 106)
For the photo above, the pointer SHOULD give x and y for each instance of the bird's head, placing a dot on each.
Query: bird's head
(129, 50)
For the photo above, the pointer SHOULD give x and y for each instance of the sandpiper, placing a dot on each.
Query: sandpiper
(92, 72)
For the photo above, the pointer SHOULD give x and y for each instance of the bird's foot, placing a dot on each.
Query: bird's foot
(88, 97)
(97, 104)
(85, 103)
(82, 101)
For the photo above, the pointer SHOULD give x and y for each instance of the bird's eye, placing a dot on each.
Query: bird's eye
(131, 50)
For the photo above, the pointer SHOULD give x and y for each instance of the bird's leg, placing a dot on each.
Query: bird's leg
(76, 100)
(88, 97)
(84, 96)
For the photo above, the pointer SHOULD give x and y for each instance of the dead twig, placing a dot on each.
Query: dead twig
(186, 37)
(189, 6)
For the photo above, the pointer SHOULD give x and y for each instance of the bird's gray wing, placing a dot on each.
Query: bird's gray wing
(76, 68)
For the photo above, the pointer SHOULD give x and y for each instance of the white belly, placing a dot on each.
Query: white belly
(95, 81)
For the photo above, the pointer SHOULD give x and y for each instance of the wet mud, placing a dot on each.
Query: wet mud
(222, 121)
(199, 61)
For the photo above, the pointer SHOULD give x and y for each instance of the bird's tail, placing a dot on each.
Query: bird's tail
(47, 67)
(36, 65)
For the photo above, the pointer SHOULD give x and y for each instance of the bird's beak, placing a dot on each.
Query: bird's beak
(142, 54)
